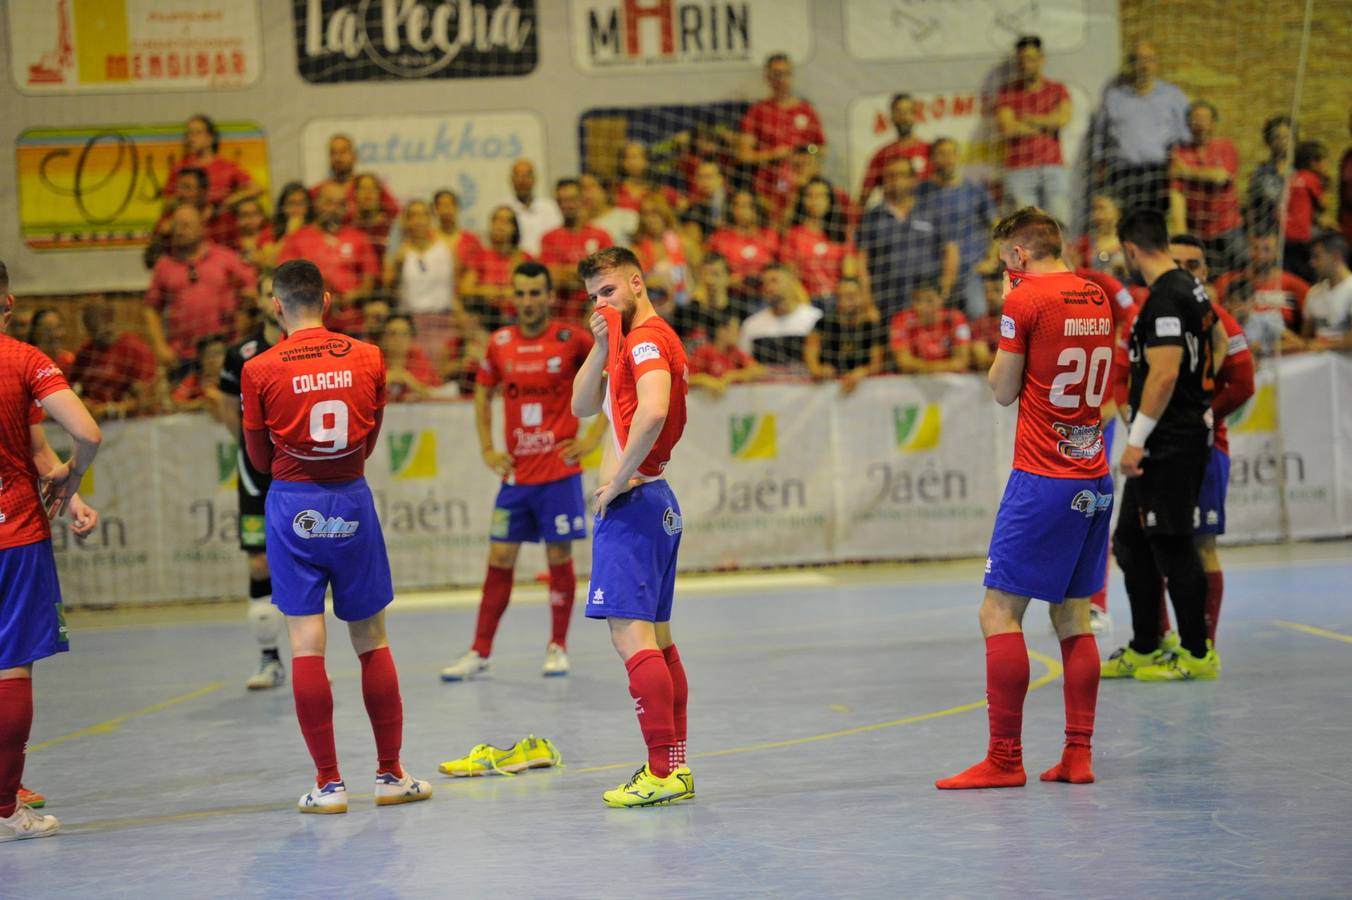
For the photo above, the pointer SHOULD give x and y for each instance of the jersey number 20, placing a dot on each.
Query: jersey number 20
(1085, 368)
(328, 425)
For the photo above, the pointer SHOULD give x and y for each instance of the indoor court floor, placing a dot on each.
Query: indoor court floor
(824, 703)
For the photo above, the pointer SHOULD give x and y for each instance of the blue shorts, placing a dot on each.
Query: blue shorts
(1051, 537)
(549, 512)
(32, 623)
(1211, 500)
(634, 555)
(322, 535)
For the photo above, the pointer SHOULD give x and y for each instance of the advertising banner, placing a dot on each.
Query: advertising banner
(94, 188)
(90, 46)
(922, 29)
(342, 41)
(418, 155)
(610, 35)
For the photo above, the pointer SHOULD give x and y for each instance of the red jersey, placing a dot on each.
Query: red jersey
(344, 258)
(224, 177)
(27, 377)
(650, 346)
(986, 330)
(934, 341)
(1304, 201)
(628, 198)
(914, 149)
(388, 204)
(417, 364)
(565, 247)
(199, 298)
(319, 395)
(107, 374)
(536, 375)
(1212, 209)
(795, 125)
(1043, 148)
(1280, 291)
(1062, 326)
(817, 259)
(709, 360)
(747, 256)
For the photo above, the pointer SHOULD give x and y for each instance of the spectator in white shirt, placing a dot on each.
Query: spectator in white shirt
(774, 336)
(534, 215)
(1328, 306)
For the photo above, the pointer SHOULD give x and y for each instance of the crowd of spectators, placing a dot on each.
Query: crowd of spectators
(765, 267)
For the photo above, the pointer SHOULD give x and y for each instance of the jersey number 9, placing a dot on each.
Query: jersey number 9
(1090, 367)
(328, 425)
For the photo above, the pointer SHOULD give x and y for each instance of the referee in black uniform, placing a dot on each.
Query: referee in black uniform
(1168, 445)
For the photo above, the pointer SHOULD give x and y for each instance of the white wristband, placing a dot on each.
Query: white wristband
(1141, 426)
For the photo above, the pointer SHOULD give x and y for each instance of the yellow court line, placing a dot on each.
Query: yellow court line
(1311, 629)
(1053, 672)
(117, 722)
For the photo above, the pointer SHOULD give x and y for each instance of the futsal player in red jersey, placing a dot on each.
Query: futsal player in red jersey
(312, 408)
(34, 485)
(1051, 533)
(637, 373)
(533, 363)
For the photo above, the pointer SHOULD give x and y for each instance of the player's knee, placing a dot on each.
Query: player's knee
(1070, 617)
(1206, 551)
(559, 553)
(258, 566)
(502, 555)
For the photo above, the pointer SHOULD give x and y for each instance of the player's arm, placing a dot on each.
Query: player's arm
(483, 420)
(812, 356)
(1006, 376)
(83, 517)
(373, 436)
(155, 336)
(253, 427)
(1234, 382)
(61, 483)
(228, 413)
(654, 396)
(589, 382)
(1163, 361)
(948, 275)
(1009, 124)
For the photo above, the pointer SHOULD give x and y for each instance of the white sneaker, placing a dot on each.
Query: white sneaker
(391, 790)
(25, 824)
(465, 667)
(556, 662)
(326, 800)
(1099, 621)
(271, 673)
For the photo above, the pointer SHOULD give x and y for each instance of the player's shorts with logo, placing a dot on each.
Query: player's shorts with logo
(634, 555)
(322, 535)
(529, 513)
(1211, 498)
(1163, 499)
(1051, 537)
(32, 624)
(252, 489)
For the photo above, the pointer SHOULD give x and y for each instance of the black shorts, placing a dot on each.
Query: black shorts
(253, 493)
(1164, 497)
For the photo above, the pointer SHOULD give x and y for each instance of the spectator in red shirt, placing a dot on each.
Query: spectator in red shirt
(369, 215)
(190, 190)
(597, 209)
(47, 332)
(719, 361)
(745, 242)
(466, 348)
(1276, 295)
(410, 375)
(254, 240)
(1030, 113)
(115, 372)
(489, 277)
(295, 209)
(634, 182)
(564, 247)
(343, 254)
(228, 183)
(1304, 206)
(816, 245)
(667, 254)
(906, 146)
(927, 338)
(706, 205)
(1205, 198)
(195, 290)
(342, 172)
(200, 388)
(986, 329)
(773, 127)
(1099, 248)
(779, 188)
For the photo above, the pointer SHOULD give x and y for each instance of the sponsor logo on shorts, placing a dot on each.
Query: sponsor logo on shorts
(1007, 327)
(311, 524)
(1213, 517)
(598, 597)
(62, 634)
(502, 523)
(645, 351)
(1168, 326)
(671, 521)
(989, 562)
(1091, 502)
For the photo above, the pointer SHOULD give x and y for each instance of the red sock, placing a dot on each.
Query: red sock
(562, 590)
(314, 710)
(497, 594)
(16, 720)
(680, 691)
(1215, 590)
(385, 709)
(1006, 687)
(650, 686)
(1165, 625)
(1080, 659)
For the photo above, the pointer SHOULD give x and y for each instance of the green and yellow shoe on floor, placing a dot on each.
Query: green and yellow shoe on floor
(1183, 666)
(1125, 662)
(530, 752)
(1169, 642)
(646, 789)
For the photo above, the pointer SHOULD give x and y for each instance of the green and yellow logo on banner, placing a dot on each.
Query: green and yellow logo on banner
(227, 467)
(917, 427)
(413, 454)
(753, 437)
(1257, 414)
